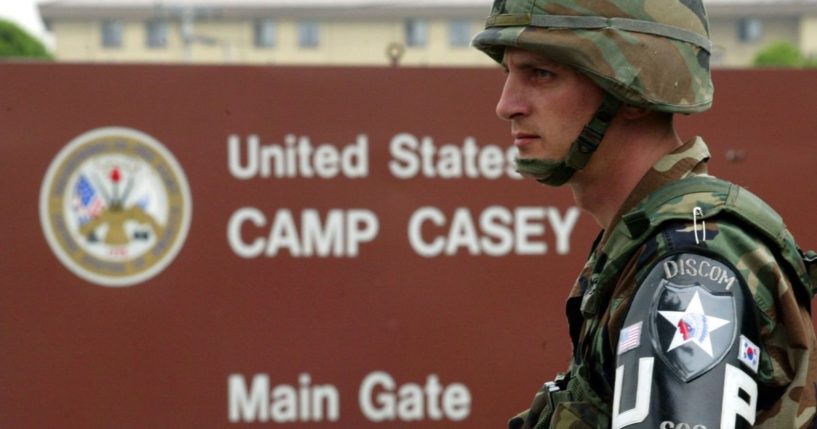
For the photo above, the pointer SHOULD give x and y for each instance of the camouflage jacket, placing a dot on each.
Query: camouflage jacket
(599, 303)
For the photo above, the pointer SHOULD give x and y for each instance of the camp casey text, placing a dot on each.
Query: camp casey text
(307, 232)
(431, 231)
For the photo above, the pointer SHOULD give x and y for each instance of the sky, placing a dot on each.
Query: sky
(25, 14)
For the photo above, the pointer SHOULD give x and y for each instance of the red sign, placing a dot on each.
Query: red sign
(221, 246)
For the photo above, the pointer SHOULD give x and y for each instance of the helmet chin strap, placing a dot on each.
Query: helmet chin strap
(557, 173)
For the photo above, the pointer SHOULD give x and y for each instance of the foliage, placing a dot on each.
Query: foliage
(17, 43)
(783, 54)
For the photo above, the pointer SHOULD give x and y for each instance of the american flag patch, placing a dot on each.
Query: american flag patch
(629, 338)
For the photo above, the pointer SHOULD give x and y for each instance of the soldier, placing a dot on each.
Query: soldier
(693, 309)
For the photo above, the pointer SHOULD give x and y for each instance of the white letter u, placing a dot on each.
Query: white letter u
(642, 399)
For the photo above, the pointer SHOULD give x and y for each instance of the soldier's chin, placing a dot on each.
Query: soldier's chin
(534, 168)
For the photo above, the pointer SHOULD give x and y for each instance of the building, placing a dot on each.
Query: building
(740, 28)
(354, 32)
(367, 32)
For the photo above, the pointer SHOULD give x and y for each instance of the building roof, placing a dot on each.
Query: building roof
(51, 9)
(253, 8)
(760, 7)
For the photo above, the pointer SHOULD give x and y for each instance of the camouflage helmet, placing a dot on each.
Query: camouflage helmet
(647, 53)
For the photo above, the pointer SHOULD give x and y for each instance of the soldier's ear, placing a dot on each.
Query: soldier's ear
(632, 112)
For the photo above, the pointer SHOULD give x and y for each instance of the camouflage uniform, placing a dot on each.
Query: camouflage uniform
(655, 54)
(597, 310)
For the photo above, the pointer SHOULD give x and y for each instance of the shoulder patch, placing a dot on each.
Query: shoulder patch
(749, 353)
(630, 338)
(693, 313)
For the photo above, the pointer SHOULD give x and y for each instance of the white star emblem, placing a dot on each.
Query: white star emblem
(693, 325)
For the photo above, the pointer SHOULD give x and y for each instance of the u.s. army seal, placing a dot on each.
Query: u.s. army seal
(115, 206)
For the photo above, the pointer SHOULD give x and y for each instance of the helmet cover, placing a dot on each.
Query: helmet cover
(647, 53)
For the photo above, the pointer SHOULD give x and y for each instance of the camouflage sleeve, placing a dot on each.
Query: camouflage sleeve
(687, 354)
(788, 365)
(772, 337)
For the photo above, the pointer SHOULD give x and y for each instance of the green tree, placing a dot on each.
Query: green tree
(17, 43)
(780, 54)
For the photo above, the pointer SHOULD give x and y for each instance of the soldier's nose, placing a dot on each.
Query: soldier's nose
(511, 102)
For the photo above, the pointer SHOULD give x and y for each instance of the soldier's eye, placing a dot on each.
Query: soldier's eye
(541, 73)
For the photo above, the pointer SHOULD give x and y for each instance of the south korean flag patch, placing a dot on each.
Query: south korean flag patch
(749, 354)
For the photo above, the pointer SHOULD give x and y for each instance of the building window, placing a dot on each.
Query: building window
(264, 33)
(416, 33)
(112, 33)
(750, 30)
(459, 33)
(156, 33)
(308, 34)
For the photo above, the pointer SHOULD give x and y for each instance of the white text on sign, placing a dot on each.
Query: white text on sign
(342, 233)
(380, 399)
